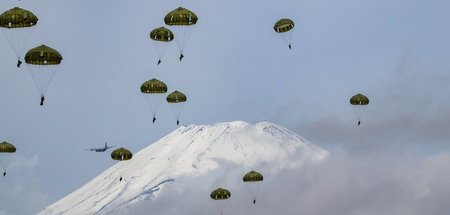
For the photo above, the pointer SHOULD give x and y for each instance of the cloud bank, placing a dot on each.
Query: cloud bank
(341, 184)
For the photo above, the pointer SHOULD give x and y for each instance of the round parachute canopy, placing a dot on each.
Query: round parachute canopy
(121, 154)
(252, 176)
(161, 37)
(153, 86)
(220, 194)
(180, 16)
(359, 99)
(43, 55)
(161, 34)
(6, 147)
(17, 18)
(176, 97)
(283, 25)
(176, 102)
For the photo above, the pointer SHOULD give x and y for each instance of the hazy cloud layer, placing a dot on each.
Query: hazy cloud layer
(340, 185)
(20, 162)
(26, 189)
(409, 109)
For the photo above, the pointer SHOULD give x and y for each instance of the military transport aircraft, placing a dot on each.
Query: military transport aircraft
(101, 149)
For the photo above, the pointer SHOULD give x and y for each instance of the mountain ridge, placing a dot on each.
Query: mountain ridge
(193, 151)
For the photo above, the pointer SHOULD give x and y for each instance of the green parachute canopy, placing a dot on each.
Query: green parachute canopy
(121, 154)
(252, 176)
(255, 178)
(161, 34)
(154, 91)
(153, 86)
(6, 147)
(43, 55)
(359, 99)
(220, 194)
(7, 151)
(176, 97)
(17, 18)
(182, 22)
(176, 102)
(17, 25)
(359, 103)
(160, 38)
(283, 25)
(180, 16)
(43, 62)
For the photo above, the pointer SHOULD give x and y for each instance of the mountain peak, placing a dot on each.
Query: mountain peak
(193, 151)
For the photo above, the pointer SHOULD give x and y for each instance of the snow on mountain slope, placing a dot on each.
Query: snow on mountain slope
(188, 151)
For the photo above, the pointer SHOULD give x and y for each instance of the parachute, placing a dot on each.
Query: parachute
(284, 28)
(43, 62)
(176, 102)
(183, 22)
(154, 92)
(359, 103)
(220, 194)
(161, 37)
(253, 181)
(121, 154)
(18, 25)
(7, 151)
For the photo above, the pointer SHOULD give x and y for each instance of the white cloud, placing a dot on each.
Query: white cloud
(20, 161)
(343, 184)
(23, 193)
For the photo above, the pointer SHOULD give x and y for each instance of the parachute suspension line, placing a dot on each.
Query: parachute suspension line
(256, 194)
(154, 102)
(51, 74)
(287, 37)
(177, 109)
(220, 205)
(5, 160)
(42, 76)
(184, 33)
(161, 48)
(253, 192)
(290, 38)
(359, 111)
(186, 36)
(35, 81)
(18, 38)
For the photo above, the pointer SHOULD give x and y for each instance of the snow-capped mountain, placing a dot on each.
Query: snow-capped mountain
(190, 151)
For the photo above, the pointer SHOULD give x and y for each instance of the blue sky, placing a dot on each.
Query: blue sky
(235, 68)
